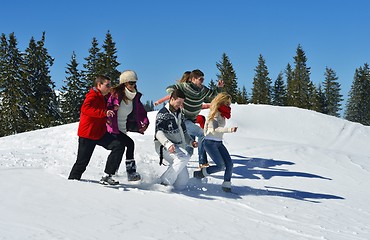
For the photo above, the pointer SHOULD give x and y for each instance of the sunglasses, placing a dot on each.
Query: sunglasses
(132, 83)
(108, 85)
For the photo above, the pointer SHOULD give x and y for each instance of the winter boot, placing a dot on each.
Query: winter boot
(108, 180)
(132, 175)
(201, 173)
(226, 186)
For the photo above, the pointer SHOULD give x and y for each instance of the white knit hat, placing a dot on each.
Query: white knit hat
(128, 76)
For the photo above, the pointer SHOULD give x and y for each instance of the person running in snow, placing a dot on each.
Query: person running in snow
(92, 131)
(195, 93)
(214, 129)
(171, 140)
(129, 115)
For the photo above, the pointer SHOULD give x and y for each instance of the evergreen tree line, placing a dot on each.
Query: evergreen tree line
(28, 100)
(298, 90)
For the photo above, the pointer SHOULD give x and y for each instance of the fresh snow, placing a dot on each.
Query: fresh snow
(297, 174)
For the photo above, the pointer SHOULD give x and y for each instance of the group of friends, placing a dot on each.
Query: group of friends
(108, 113)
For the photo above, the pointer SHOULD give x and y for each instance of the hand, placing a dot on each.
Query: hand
(143, 129)
(194, 144)
(110, 113)
(172, 149)
(220, 83)
(234, 129)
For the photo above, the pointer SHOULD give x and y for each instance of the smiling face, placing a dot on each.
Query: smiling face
(177, 103)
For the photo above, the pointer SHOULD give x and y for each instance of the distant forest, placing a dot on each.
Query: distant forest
(28, 100)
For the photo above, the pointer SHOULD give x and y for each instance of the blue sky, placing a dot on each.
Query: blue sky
(162, 39)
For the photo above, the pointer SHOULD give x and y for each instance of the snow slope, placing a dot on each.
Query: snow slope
(297, 174)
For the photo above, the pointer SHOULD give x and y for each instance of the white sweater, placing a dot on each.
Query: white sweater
(215, 129)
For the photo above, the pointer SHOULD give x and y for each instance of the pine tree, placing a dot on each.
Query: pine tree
(73, 93)
(279, 91)
(108, 60)
(261, 90)
(358, 104)
(290, 89)
(227, 74)
(332, 93)
(319, 101)
(13, 88)
(91, 66)
(300, 88)
(44, 100)
(149, 106)
(242, 96)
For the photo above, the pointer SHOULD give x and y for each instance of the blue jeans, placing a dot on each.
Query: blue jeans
(219, 154)
(195, 131)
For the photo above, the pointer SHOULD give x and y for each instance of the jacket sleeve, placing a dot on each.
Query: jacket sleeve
(161, 137)
(93, 107)
(171, 88)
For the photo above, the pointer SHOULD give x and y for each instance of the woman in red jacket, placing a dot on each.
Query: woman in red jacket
(92, 131)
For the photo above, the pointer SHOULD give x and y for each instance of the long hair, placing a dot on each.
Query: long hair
(220, 99)
(185, 77)
(119, 92)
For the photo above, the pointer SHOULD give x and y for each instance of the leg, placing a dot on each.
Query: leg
(228, 162)
(213, 149)
(178, 162)
(130, 145)
(109, 142)
(195, 130)
(182, 179)
(85, 150)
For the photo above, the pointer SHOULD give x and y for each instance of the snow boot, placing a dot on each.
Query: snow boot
(108, 180)
(226, 186)
(201, 173)
(132, 175)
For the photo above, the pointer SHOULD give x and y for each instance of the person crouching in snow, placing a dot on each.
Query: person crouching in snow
(171, 140)
(214, 129)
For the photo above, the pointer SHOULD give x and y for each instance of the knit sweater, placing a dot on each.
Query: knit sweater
(215, 128)
(194, 97)
(170, 129)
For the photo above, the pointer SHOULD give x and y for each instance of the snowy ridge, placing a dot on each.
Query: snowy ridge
(297, 174)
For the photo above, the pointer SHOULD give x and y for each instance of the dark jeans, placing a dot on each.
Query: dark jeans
(86, 148)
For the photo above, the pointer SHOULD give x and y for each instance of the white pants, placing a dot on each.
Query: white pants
(177, 171)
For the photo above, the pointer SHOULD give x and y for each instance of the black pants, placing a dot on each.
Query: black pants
(129, 144)
(86, 148)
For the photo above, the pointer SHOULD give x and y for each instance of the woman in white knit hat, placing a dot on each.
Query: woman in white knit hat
(129, 115)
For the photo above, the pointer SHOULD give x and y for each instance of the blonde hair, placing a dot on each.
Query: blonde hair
(221, 99)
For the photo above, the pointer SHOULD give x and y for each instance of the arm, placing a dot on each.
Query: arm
(159, 101)
(161, 137)
(92, 107)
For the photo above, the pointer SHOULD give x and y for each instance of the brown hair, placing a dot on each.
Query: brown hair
(185, 77)
(100, 79)
(196, 74)
(119, 92)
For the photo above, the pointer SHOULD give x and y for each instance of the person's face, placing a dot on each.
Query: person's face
(104, 87)
(177, 103)
(131, 86)
(198, 81)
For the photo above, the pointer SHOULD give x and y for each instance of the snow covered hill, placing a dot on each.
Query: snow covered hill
(297, 174)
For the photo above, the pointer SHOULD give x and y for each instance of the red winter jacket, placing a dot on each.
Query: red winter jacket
(93, 116)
